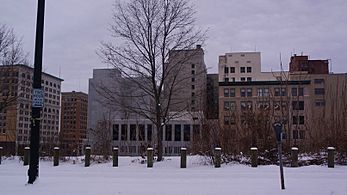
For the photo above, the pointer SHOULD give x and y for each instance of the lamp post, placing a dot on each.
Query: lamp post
(279, 135)
(37, 100)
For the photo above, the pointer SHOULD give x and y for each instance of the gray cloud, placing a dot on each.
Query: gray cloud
(74, 29)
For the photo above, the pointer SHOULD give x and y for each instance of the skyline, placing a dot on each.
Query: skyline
(74, 30)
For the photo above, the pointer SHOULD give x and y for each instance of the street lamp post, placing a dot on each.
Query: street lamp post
(279, 135)
(37, 96)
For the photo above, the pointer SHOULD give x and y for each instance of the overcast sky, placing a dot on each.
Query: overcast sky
(74, 29)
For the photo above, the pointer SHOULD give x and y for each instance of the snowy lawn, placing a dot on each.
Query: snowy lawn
(166, 178)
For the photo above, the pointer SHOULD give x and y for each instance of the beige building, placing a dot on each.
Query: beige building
(311, 106)
(244, 66)
(16, 82)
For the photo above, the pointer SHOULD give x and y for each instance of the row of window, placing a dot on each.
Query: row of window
(264, 92)
(140, 133)
(228, 70)
(248, 105)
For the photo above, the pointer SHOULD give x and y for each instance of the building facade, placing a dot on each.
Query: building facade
(74, 108)
(187, 80)
(301, 101)
(16, 82)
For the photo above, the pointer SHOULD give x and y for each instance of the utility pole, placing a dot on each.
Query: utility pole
(279, 136)
(37, 99)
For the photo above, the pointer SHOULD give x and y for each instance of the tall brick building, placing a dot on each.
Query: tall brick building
(74, 110)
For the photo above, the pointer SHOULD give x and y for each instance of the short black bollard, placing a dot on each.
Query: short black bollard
(217, 157)
(56, 156)
(115, 157)
(331, 157)
(87, 157)
(294, 157)
(254, 157)
(183, 157)
(26, 156)
(149, 157)
(0, 154)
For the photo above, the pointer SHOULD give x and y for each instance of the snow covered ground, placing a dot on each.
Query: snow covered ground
(166, 178)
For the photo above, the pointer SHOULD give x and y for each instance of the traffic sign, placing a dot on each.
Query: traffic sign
(38, 98)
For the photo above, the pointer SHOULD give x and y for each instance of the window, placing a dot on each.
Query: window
(243, 92)
(229, 120)
(243, 79)
(236, 62)
(249, 69)
(226, 92)
(242, 55)
(319, 81)
(233, 79)
(168, 133)
(124, 132)
(249, 78)
(193, 79)
(248, 62)
(229, 105)
(149, 132)
(246, 105)
(298, 120)
(193, 94)
(242, 69)
(295, 134)
(229, 92)
(263, 92)
(193, 65)
(226, 70)
(232, 69)
(280, 91)
(246, 92)
(298, 105)
(193, 86)
(297, 91)
(186, 133)
(115, 132)
(320, 102)
(193, 71)
(132, 132)
(177, 132)
(226, 80)
(319, 91)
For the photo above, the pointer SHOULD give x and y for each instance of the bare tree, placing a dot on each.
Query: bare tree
(145, 33)
(11, 53)
(102, 136)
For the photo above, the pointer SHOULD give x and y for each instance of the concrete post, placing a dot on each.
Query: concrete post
(115, 157)
(254, 156)
(294, 157)
(56, 156)
(183, 157)
(331, 157)
(26, 156)
(87, 157)
(149, 157)
(0, 154)
(217, 157)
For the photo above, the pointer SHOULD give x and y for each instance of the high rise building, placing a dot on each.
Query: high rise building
(187, 80)
(16, 89)
(74, 107)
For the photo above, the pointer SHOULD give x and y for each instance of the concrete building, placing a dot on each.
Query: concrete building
(16, 83)
(74, 107)
(212, 102)
(130, 132)
(187, 79)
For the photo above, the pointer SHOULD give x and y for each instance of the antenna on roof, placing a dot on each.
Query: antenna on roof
(59, 71)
